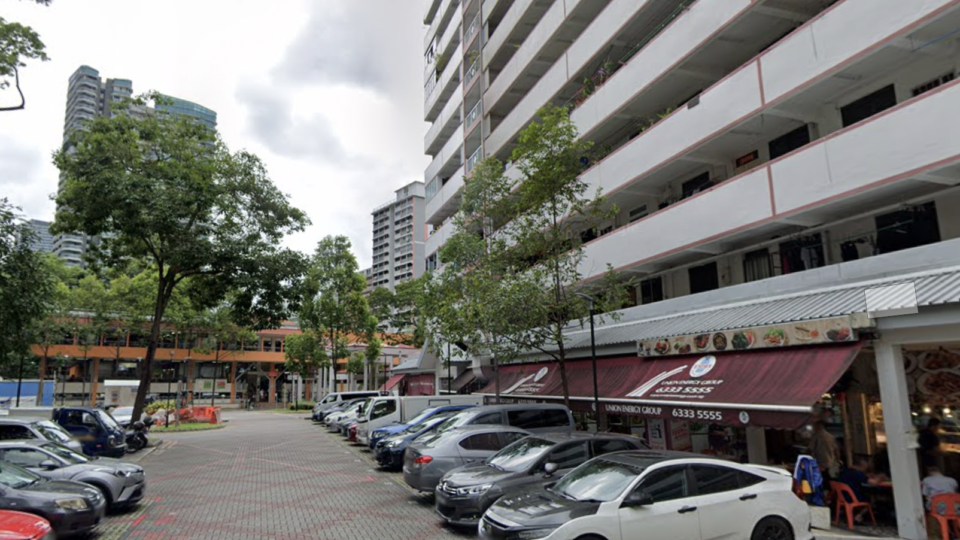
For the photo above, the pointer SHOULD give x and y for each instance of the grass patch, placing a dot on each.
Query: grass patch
(186, 426)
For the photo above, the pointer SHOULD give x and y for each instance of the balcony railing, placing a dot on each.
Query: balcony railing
(472, 72)
(473, 159)
(473, 115)
(472, 29)
(433, 188)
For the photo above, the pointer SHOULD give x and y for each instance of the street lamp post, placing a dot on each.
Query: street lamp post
(213, 393)
(63, 376)
(593, 358)
(449, 373)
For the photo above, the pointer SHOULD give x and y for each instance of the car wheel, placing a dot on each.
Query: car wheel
(591, 537)
(772, 528)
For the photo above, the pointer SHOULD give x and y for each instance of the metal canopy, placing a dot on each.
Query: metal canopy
(937, 287)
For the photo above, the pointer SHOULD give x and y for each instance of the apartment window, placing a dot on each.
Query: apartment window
(638, 213)
(906, 229)
(785, 144)
(930, 85)
(651, 290)
(704, 278)
(801, 254)
(757, 265)
(696, 185)
(868, 106)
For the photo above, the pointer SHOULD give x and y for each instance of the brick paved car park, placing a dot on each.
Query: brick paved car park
(269, 475)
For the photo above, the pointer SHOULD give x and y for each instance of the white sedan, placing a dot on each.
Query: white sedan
(655, 495)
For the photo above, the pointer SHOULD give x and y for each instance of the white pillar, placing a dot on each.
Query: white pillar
(332, 382)
(904, 471)
(757, 445)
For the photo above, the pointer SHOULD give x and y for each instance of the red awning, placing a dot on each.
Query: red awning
(393, 381)
(770, 388)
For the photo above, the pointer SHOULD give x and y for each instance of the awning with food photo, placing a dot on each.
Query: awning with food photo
(769, 388)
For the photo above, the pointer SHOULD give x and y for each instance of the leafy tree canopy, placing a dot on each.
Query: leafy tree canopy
(18, 43)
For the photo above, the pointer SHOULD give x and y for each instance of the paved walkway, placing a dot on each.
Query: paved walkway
(269, 475)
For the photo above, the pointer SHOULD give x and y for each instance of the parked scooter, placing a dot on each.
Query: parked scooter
(137, 435)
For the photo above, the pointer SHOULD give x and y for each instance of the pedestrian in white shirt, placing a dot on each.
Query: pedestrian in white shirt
(937, 484)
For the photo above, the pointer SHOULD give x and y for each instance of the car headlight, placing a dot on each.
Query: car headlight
(72, 504)
(531, 534)
(475, 490)
(392, 444)
(115, 472)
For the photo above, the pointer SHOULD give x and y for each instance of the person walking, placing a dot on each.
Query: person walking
(824, 449)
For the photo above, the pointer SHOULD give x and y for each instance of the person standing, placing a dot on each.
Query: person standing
(929, 441)
(824, 449)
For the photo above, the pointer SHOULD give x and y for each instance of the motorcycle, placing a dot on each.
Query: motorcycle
(137, 435)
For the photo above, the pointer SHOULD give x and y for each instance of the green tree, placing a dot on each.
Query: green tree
(334, 308)
(164, 191)
(371, 354)
(18, 43)
(519, 243)
(26, 287)
(397, 313)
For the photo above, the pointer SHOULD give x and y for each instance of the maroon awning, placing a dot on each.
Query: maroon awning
(770, 388)
(393, 381)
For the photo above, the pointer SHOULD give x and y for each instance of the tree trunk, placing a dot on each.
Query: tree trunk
(163, 295)
(564, 383)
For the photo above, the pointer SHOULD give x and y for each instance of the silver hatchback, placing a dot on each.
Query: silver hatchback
(122, 484)
(429, 458)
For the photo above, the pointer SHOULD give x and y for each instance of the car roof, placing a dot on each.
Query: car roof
(646, 458)
(516, 406)
(21, 420)
(559, 437)
(485, 427)
(24, 442)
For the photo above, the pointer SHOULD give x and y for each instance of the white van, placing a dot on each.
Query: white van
(332, 399)
(391, 409)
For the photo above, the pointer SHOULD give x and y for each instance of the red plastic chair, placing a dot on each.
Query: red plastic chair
(943, 508)
(847, 502)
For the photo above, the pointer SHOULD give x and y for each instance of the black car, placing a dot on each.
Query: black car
(389, 450)
(72, 508)
(464, 494)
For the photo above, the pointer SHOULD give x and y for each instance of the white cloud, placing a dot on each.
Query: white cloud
(327, 92)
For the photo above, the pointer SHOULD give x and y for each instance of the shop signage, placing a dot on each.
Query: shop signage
(835, 330)
(656, 435)
(529, 385)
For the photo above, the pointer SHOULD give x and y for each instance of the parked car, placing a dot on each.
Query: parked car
(122, 484)
(333, 399)
(72, 508)
(335, 422)
(24, 526)
(97, 431)
(24, 428)
(389, 450)
(426, 414)
(533, 417)
(647, 494)
(427, 460)
(464, 494)
(321, 416)
(387, 410)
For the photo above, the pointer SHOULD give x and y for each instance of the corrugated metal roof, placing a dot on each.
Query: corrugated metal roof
(931, 288)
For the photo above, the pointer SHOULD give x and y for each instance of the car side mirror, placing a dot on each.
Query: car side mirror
(550, 468)
(637, 499)
(49, 465)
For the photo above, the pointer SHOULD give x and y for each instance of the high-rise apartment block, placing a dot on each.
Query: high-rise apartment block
(42, 240)
(787, 174)
(90, 96)
(398, 238)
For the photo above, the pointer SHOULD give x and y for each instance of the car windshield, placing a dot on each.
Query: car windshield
(107, 420)
(65, 453)
(599, 480)
(15, 477)
(520, 455)
(52, 431)
(454, 422)
(425, 426)
(427, 413)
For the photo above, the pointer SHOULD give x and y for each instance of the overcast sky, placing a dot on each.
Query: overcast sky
(329, 93)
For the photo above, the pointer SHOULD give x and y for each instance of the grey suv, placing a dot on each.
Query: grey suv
(532, 417)
(464, 494)
(122, 484)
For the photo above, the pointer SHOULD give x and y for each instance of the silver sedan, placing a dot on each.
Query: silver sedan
(122, 484)
(428, 459)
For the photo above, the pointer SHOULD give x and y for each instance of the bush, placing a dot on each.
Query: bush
(152, 408)
(302, 406)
